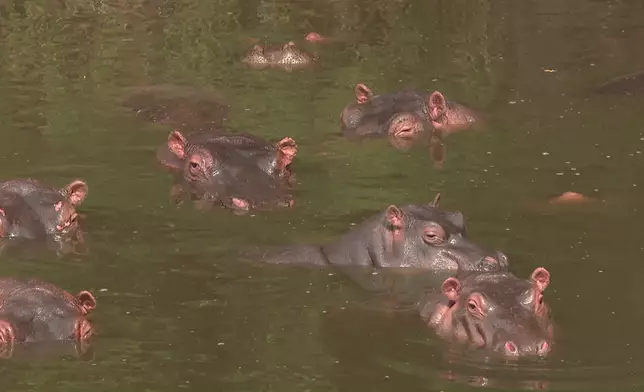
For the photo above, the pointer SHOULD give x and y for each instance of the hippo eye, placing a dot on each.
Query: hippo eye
(434, 235)
(193, 168)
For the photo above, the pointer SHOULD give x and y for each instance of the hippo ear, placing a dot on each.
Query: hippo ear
(437, 105)
(451, 288)
(87, 300)
(436, 201)
(76, 192)
(395, 216)
(287, 149)
(177, 144)
(541, 278)
(363, 93)
(456, 218)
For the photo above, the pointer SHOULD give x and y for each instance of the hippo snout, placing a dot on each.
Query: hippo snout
(496, 261)
(511, 349)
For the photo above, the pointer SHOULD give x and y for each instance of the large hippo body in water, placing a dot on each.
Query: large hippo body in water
(421, 236)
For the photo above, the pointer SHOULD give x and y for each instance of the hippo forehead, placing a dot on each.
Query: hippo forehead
(451, 222)
(500, 289)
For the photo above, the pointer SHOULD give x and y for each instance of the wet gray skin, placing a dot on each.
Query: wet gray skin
(494, 311)
(418, 236)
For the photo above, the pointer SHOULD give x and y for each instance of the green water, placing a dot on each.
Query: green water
(178, 311)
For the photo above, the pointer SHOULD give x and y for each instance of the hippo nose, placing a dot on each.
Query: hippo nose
(543, 348)
(511, 349)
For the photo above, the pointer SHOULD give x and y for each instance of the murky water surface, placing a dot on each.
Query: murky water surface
(178, 310)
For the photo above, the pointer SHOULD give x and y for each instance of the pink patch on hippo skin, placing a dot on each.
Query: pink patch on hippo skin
(240, 204)
(314, 37)
(7, 334)
(58, 206)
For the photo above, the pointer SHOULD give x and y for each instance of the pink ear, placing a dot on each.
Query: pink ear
(177, 144)
(451, 288)
(87, 300)
(437, 105)
(76, 192)
(395, 216)
(288, 150)
(363, 93)
(541, 278)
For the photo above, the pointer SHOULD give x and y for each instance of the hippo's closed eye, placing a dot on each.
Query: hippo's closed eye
(434, 235)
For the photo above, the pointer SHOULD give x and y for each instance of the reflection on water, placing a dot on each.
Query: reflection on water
(177, 309)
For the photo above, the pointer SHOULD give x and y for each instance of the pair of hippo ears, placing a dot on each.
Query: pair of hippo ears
(540, 278)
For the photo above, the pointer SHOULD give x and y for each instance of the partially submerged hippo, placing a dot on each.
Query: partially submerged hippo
(415, 235)
(35, 311)
(492, 311)
(182, 107)
(240, 171)
(403, 114)
(288, 57)
(30, 209)
(495, 311)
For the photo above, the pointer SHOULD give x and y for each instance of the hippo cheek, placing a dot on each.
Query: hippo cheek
(442, 260)
(351, 116)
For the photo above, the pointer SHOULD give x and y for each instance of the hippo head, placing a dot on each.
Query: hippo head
(57, 207)
(399, 116)
(30, 207)
(496, 311)
(239, 175)
(35, 311)
(426, 236)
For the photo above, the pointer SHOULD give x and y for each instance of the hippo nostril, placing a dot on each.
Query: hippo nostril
(543, 348)
(511, 348)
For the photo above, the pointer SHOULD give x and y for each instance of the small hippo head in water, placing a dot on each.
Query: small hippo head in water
(495, 311)
(403, 114)
(415, 235)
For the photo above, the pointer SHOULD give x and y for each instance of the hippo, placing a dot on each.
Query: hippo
(402, 115)
(182, 107)
(240, 171)
(414, 235)
(30, 209)
(273, 158)
(35, 311)
(289, 57)
(496, 311)
(493, 312)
